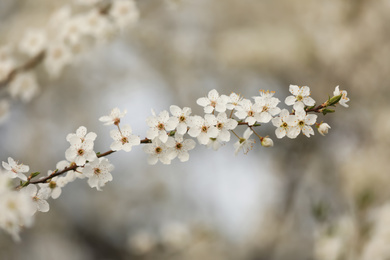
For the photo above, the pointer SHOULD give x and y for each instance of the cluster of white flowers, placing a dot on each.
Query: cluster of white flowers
(169, 136)
(67, 34)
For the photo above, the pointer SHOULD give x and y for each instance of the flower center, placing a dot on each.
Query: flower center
(81, 152)
(182, 118)
(158, 150)
(219, 125)
(97, 171)
(160, 126)
(299, 97)
(179, 146)
(251, 113)
(52, 184)
(213, 103)
(301, 123)
(284, 125)
(124, 140)
(204, 129)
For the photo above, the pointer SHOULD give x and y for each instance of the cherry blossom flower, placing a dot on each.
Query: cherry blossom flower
(114, 117)
(123, 139)
(213, 101)
(183, 116)
(244, 143)
(224, 124)
(82, 134)
(246, 111)
(57, 57)
(266, 105)
(233, 101)
(301, 97)
(203, 128)
(80, 151)
(15, 170)
(284, 122)
(304, 121)
(16, 208)
(344, 99)
(33, 42)
(215, 144)
(54, 186)
(24, 86)
(160, 124)
(98, 172)
(158, 150)
(180, 147)
(38, 197)
(124, 12)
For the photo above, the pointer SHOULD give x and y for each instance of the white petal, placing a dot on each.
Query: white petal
(294, 89)
(175, 110)
(290, 100)
(203, 101)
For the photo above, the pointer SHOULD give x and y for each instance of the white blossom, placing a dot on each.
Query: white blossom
(180, 147)
(233, 101)
(80, 151)
(159, 125)
(284, 122)
(215, 144)
(124, 139)
(38, 197)
(344, 99)
(266, 105)
(158, 150)
(16, 208)
(33, 42)
(203, 128)
(57, 57)
(224, 125)
(54, 186)
(300, 98)
(24, 86)
(82, 134)
(124, 12)
(246, 111)
(114, 117)
(304, 122)
(13, 169)
(244, 143)
(98, 172)
(182, 116)
(213, 101)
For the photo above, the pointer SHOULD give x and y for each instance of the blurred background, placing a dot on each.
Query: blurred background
(319, 198)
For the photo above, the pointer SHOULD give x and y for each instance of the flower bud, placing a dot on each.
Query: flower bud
(323, 128)
(267, 142)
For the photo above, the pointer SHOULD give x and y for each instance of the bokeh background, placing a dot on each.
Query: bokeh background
(319, 198)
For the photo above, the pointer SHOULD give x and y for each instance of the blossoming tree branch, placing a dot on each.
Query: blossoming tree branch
(172, 134)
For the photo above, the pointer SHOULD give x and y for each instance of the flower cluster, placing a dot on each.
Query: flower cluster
(171, 135)
(68, 34)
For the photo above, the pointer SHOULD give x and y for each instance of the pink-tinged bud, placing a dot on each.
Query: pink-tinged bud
(323, 128)
(267, 142)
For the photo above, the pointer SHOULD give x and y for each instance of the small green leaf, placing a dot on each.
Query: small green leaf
(326, 111)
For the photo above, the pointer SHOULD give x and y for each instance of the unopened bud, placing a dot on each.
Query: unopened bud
(267, 142)
(323, 128)
(334, 100)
